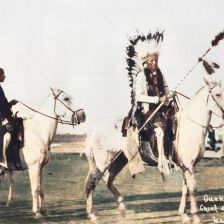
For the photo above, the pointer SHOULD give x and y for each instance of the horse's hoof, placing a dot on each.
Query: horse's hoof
(44, 212)
(92, 217)
(122, 209)
(38, 215)
(197, 220)
(185, 219)
(8, 204)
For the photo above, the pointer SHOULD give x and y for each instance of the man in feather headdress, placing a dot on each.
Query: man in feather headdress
(149, 91)
(151, 87)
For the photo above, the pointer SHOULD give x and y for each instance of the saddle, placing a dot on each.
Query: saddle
(16, 143)
(148, 149)
(147, 139)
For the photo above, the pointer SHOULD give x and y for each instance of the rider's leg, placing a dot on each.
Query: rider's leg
(162, 161)
(6, 141)
(159, 137)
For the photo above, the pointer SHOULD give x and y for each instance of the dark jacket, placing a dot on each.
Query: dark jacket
(5, 108)
(160, 83)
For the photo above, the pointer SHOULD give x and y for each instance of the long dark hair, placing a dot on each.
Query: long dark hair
(150, 82)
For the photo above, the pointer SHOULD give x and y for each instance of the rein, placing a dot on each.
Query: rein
(61, 121)
(74, 113)
(57, 99)
(217, 104)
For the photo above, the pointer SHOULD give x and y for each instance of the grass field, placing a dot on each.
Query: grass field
(148, 199)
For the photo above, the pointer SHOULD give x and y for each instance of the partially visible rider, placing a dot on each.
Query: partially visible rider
(6, 120)
(211, 136)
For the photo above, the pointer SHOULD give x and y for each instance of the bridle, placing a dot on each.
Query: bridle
(216, 102)
(74, 118)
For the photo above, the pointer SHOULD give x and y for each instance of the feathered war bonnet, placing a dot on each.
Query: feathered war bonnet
(139, 50)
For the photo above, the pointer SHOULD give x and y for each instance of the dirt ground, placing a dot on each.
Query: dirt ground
(148, 199)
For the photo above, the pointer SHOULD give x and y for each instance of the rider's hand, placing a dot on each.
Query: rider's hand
(163, 99)
(172, 94)
(155, 99)
(5, 121)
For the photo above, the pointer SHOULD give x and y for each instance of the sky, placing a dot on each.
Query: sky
(79, 47)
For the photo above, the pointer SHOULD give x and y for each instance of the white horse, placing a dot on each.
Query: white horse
(39, 132)
(102, 145)
(193, 123)
(105, 141)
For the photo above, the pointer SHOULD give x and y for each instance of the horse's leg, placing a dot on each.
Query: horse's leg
(34, 173)
(182, 208)
(43, 208)
(109, 177)
(116, 193)
(11, 183)
(92, 179)
(1, 179)
(191, 186)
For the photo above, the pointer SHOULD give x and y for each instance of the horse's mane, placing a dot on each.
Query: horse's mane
(199, 90)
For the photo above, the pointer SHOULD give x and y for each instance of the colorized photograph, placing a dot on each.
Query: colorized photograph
(111, 112)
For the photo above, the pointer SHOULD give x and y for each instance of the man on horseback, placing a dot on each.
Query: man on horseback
(151, 91)
(6, 119)
(150, 98)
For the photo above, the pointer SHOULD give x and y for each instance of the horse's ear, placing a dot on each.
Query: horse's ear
(52, 89)
(215, 65)
(206, 81)
(208, 68)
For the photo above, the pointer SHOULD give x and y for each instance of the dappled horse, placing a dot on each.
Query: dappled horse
(39, 132)
(105, 141)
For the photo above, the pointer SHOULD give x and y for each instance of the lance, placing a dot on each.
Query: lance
(214, 43)
(151, 116)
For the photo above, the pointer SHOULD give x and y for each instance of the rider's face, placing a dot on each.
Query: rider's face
(152, 64)
(2, 77)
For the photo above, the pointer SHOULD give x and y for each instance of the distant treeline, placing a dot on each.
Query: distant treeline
(68, 138)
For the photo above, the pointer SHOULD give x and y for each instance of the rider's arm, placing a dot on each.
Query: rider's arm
(166, 87)
(142, 92)
(5, 110)
(147, 99)
(166, 97)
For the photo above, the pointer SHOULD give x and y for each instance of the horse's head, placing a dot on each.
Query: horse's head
(216, 90)
(63, 105)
